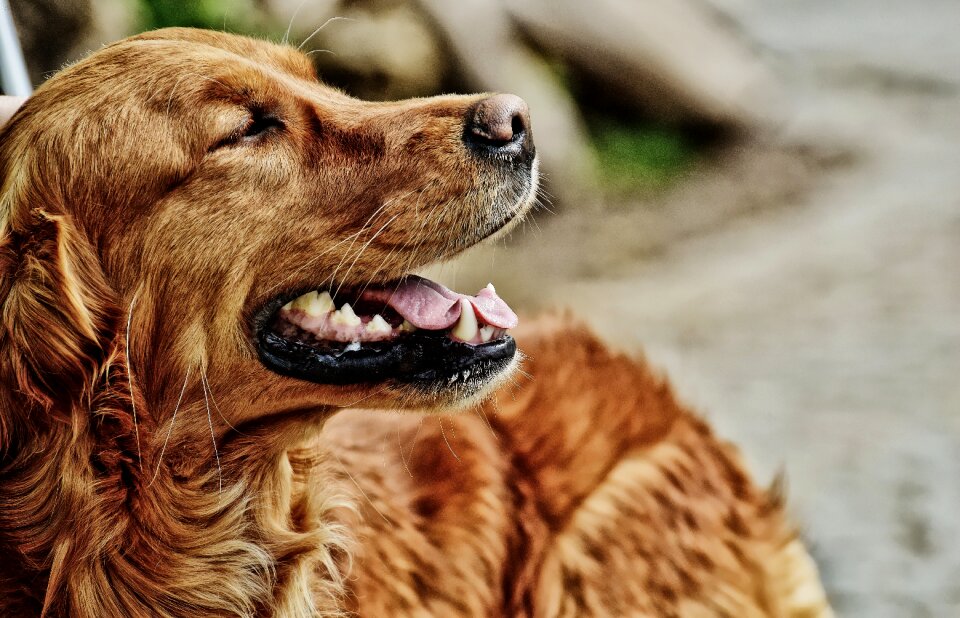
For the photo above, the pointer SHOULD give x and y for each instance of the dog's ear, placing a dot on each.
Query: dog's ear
(58, 315)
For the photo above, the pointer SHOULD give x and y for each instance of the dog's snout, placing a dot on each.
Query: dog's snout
(500, 125)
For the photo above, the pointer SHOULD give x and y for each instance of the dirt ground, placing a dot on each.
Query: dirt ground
(803, 293)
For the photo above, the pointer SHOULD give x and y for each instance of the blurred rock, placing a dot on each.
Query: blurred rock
(392, 52)
(375, 49)
(110, 21)
(56, 32)
(48, 31)
(677, 60)
(493, 57)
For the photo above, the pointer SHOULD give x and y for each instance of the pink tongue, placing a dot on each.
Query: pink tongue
(431, 306)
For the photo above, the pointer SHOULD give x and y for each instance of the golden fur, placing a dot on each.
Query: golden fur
(151, 466)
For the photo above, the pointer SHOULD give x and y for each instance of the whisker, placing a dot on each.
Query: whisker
(444, 434)
(413, 444)
(213, 436)
(364, 248)
(133, 402)
(315, 258)
(366, 226)
(322, 26)
(170, 429)
(420, 236)
(402, 457)
(352, 238)
(486, 421)
(206, 384)
(365, 397)
(286, 35)
(383, 263)
(403, 245)
(347, 472)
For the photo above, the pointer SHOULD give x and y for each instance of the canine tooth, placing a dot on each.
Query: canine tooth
(466, 327)
(345, 316)
(288, 306)
(407, 327)
(325, 302)
(486, 333)
(302, 302)
(491, 288)
(378, 326)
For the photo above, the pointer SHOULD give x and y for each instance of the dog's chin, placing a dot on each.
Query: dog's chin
(457, 393)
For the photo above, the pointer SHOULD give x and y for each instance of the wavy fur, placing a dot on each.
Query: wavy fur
(151, 466)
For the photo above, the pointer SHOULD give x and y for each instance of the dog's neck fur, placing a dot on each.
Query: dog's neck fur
(113, 537)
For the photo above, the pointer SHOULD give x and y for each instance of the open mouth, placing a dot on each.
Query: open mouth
(413, 331)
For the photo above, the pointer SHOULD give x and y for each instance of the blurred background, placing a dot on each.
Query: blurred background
(763, 198)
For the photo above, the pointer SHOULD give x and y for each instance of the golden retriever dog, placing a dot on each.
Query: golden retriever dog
(206, 259)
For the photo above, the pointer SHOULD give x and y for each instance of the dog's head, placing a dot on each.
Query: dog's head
(201, 203)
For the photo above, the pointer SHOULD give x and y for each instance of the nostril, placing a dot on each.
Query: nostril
(500, 124)
(517, 125)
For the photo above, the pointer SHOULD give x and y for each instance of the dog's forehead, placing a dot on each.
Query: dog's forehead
(159, 71)
(191, 76)
(183, 44)
(169, 63)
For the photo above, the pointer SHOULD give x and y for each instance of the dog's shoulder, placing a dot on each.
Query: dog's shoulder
(648, 511)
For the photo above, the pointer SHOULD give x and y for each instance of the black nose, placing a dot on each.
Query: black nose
(500, 125)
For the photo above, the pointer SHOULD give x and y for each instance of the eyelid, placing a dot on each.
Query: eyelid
(261, 121)
(256, 123)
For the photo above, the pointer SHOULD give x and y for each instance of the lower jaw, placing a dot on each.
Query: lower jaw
(430, 362)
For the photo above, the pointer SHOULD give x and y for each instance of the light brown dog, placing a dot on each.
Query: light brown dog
(169, 375)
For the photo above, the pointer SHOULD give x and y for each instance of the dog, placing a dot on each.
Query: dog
(208, 316)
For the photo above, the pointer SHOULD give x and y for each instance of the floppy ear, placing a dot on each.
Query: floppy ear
(58, 314)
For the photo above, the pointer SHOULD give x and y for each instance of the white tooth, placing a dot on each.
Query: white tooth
(317, 305)
(345, 316)
(491, 288)
(288, 306)
(407, 327)
(302, 302)
(486, 333)
(325, 303)
(378, 326)
(466, 327)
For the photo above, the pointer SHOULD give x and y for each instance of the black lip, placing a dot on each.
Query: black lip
(430, 359)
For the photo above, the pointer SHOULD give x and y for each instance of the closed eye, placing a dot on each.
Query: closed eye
(261, 122)
(257, 124)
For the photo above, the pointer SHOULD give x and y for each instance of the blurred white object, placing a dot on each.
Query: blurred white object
(13, 70)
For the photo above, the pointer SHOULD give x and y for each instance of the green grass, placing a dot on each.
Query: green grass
(241, 16)
(639, 157)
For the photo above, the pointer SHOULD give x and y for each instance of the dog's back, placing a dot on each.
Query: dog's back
(585, 490)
